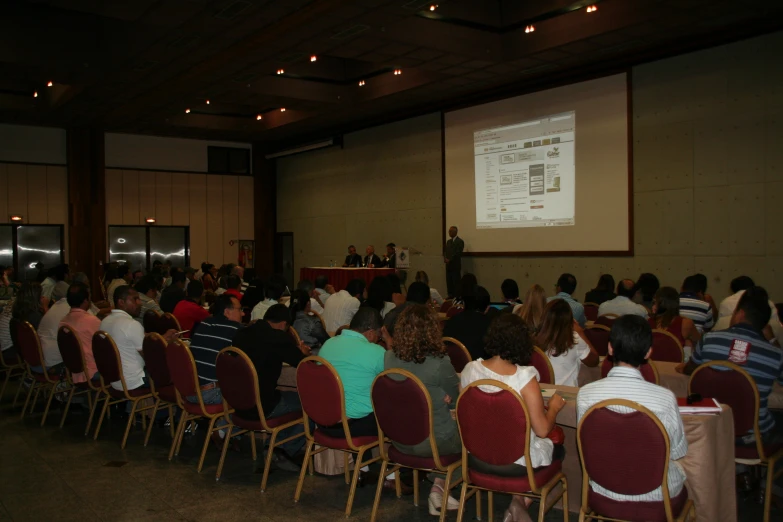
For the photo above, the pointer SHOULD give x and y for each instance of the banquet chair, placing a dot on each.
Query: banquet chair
(151, 321)
(647, 369)
(340, 330)
(403, 411)
(459, 355)
(606, 320)
(619, 468)
(446, 305)
(732, 385)
(598, 335)
(323, 402)
(238, 381)
(666, 347)
(479, 413)
(591, 311)
(154, 350)
(107, 359)
(168, 322)
(73, 357)
(541, 362)
(294, 335)
(454, 310)
(13, 366)
(182, 368)
(30, 347)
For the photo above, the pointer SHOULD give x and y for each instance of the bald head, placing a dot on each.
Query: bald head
(626, 288)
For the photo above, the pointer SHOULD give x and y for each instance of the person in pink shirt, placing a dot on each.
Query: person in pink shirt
(84, 324)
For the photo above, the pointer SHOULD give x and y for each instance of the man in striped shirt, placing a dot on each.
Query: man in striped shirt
(630, 342)
(694, 306)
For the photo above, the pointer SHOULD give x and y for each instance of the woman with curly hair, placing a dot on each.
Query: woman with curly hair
(509, 349)
(564, 343)
(532, 309)
(418, 348)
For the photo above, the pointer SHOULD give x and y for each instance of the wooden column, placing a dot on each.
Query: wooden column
(265, 210)
(87, 203)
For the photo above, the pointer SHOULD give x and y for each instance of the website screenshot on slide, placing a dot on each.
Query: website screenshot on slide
(525, 173)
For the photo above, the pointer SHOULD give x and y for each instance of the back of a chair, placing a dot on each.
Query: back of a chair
(544, 366)
(168, 322)
(454, 310)
(321, 391)
(294, 335)
(598, 335)
(402, 407)
(729, 384)
(340, 330)
(107, 358)
(150, 320)
(154, 350)
(459, 355)
(605, 320)
(666, 347)
(445, 306)
(238, 381)
(591, 311)
(29, 344)
(636, 467)
(647, 369)
(182, 368)
(70, 349)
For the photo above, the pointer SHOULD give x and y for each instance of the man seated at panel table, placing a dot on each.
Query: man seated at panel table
(352, 259)
(390, 259)
(630, 342)
(273, 291)
(623, 304)
(565, 287)
(371, 260)
(342, 306)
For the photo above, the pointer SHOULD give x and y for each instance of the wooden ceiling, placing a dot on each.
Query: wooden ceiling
(137, 66)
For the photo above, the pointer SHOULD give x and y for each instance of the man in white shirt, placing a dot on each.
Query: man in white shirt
(342, 306)
(307, 286)
(273, 290)
(623, 304)
(323, 290)
(630, 342)
(47, 331)
(47, 285)
(123, 278)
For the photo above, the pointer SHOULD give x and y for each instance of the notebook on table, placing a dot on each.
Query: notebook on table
(706, 406)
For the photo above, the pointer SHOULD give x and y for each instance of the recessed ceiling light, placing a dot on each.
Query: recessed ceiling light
(280, 71)
(49, 84)
(313, 58)
(187, 111)
(150, 220)
(361, 83)
(591, 8)
(207, 102)
(433, 7)
(282, 109)
(16, 218)
(530, 28)
(397, 72)
(258, 117)
(35, 94)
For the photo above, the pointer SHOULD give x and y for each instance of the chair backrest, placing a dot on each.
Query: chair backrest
(294, 335)
(454, 310)
(29, 344)
(70, 349)
(598, 335)
(238, 381)
(182, 368)
(732, 385)
(544, 366)
(107, 358)
(638, 465)
(647, 369)
(154, 350)
(340, 330)
(151, 321)
(666, 347)
(446, 305)
(321, 392)
(168, 322)
(606, 320)
(591, 311)
(459, 355)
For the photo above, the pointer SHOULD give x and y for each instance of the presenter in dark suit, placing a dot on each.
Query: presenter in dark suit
(452, 256)
(352, 259)
(371, 260)
(390, 260)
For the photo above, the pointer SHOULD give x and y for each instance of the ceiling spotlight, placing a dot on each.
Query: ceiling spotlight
(258, 117)
(207, 102)
(282, 109)
(530, 28)
(280, 71)
(592, 8)
(433, 7)
(150, 220)
(397, 72)
(187, 111)
(15, 218)
(35, 94)
(313, 58)
(49, 84)
(361, 83)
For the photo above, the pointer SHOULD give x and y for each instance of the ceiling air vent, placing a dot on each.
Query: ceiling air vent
(233, 10)
(350, 32)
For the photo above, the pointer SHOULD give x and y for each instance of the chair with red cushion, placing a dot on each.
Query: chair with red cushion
(238, 382)
(151, 321)
(457, 352)
(591, 311)
(454, 310)
(184, 374)
(541, 362)
(323, 402)
(446, 305)
(73, 357)
(648, 370)
(109, 363)
(666, 347)
(30, 347)
(13, 366)
(168, 322)
(403, 410)
(598, 335)
(732, 385)
(479, 413)
(606, 320)
(638, 466)
(154, 350)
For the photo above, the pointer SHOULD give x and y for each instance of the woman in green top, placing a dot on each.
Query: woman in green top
(418, 348)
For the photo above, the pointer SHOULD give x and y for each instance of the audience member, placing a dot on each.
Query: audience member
(10, 352)
(418, 293)
(174, 293)
(137, 275)
(189, 311)
(396, 285)
(630, 343)
(322, 290)
(273, 290)
(418, 348)
(603, 291)
(565, 288)
(148, 291)
(422, 277)
(466, 286)
(122, 278)
(352, 259)
(379, 295)
(307, 286)
(47, 332)
(509, 349)
(84, 325)
(532, 309)
(693, 306)
(728, 305)
(390, 259)
(666, 316)
(564, 342)
(342, 306)
(309, 327)
(647, 285)
(623, 304)
(371, 260)
(61, 276)
(190, 275)
(209, 277)
(701, 280)
(254, 294)
(234, 286)
(30, 304)
(47, 285)
(100, 311)
(239, 271)
(470, 325)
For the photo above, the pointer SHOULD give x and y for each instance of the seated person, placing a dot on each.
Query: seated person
(422, 277)
(565, 288)
(728, 305)
(417, 347)
(315, 304)
(234, 286)
(371, 260)
(341, 307)
(510, 290)
(470, 325)
(390, 259)
(84, 325)
(268, 346)
(603, 291)
(647, 284)
(379, 295)
(418, 293)
(509, 349)
(630, 342)
(532, 310)
(148, 292)
(47, 333)
(694, 306)
(189, 311)
(30, 304)
(323, 290)
(623, 304)
(308, 327)
(174, 293)
(564, 343)
(666, 316)
(352, 259)
(273, 291)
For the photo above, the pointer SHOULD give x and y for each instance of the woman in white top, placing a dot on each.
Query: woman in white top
(422, 277)
(510, 348)
(564, 342)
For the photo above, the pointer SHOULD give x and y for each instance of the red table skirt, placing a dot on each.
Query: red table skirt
(340, 277)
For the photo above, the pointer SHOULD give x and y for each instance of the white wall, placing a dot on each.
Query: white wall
(24, 144)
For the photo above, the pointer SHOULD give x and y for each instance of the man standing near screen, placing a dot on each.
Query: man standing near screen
(452, 256)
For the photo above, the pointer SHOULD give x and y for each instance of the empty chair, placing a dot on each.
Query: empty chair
(162, 387)
(666, 347)
(168, 322)
(598, 335)
(542, 363)
(591, 311)
(73, 357)
(458, 353)
(30, 347)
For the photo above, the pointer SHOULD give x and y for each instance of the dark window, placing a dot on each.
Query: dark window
(23, 246)
(141, 246)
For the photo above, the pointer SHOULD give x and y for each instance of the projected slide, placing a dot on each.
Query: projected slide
(525, 173)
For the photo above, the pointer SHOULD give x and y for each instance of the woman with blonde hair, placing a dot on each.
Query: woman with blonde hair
(532, 309)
